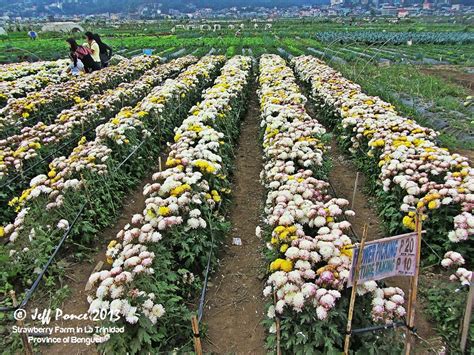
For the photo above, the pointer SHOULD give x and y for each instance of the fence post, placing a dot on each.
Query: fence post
(467, 317)
(196, 336)
(354, 291)
(409, 340)
(24, 338)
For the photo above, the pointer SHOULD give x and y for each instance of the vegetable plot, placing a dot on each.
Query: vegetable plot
(157, 260)
(372, 37)
(413, 171)
(305, 230)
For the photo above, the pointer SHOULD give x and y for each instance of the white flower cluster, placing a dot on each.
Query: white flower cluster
(169, 203)
(23, 85)
(65, 172)
(13, 71)
(412, 167)
(314, 251)
(452, 259)
(67, 93)
(388, 304)
(17, 149)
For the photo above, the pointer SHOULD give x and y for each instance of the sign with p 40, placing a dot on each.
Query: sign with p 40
(386, 257)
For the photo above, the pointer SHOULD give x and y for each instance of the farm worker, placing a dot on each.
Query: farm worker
(76, 67)
(105, 51)
(84, 54)
(32, 35)
(94, 47)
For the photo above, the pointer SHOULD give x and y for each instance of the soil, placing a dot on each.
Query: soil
(452, 74)
(235, 306)
(76, 302)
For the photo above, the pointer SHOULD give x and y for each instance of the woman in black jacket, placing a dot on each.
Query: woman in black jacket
(84, 54)
(105, 51)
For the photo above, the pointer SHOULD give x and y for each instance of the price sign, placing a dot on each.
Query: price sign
(382, 258)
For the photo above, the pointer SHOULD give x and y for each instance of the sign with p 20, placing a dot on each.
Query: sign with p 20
(386, 257)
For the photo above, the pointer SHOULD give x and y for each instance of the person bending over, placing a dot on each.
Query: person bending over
(84, 54)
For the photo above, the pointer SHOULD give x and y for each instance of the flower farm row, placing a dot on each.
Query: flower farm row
(412, 170)
(11, 72)
(21, 86)
(304, 226)
(98, 172)
(158, 258)
(45, 104)
(29, 149)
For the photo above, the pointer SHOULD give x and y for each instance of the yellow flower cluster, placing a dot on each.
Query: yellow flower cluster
(19, 201)
(409, 220)
(164, 211)
(281, 264)
(431, 200)
(178, 191)
(282, 234)
(204, 166)
(214, 195)
(111, 245)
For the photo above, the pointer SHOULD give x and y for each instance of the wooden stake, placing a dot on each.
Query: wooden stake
(409, 339)
(354, 289)
(159, 163)
(24, 337)
(355, 190)
(467, 317)
(196, 336)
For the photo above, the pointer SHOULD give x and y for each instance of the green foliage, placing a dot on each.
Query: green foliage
(304, 333)
(445, 304)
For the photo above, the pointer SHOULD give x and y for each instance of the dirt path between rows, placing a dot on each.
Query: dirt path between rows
(76, 303)
(235, 306)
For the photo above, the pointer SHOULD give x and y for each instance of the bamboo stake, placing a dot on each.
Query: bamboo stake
(467, 317)
(277, 321)
(196, 336)
(159, 163)
(347, 340)
(355, 190)
(24, 337)
(409, 339)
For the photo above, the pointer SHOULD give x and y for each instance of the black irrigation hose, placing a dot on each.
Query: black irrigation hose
(204, 287)
(59, 148)
(380, 327)
(45, 268)
(66, 234)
